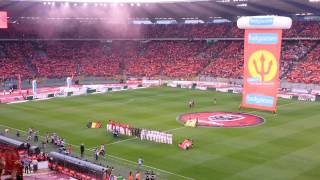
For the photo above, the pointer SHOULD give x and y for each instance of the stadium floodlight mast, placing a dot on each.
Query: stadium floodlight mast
(112, 1)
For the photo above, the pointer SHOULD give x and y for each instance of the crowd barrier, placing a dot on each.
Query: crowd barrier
(120, 165)
(227, 87)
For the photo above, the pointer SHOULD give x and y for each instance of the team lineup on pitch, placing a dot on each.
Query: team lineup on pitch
(159, 89)
(223, 142)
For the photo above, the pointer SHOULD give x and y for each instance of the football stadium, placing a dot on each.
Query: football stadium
(160, 89)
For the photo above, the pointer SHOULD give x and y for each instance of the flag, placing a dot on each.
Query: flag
(191, 123)
(94, 125)
(3, 20)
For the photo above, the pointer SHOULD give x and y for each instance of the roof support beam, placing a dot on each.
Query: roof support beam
(304, 6)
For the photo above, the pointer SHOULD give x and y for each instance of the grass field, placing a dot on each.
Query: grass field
(285, 147)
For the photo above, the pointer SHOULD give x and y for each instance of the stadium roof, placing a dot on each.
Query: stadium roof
(227, 9)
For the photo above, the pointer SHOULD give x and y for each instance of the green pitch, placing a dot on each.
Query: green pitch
(286, 146)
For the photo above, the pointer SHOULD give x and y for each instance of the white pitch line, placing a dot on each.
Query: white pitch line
(116, 157)
(152, 167)
(170, 130)
(93, 148)
(121, 141)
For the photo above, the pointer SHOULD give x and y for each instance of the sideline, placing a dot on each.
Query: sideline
(170, 130)
(168, 172)
(116, 157)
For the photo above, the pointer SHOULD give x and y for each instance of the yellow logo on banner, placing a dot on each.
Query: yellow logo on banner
(263, 65)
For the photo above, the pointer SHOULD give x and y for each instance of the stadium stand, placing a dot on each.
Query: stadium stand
(178, 59)
(101, 60)
(307, 71)
(71, 48)
(75, 29)
(168, 58)
(13, 59)
(150, 58)
(228, 63)
(292, 53)
(59, 55)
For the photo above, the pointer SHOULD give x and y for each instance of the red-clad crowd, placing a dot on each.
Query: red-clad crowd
(184, 59)
(148, 63)
(307, 71)
(76, 29)
(13, 57)
(55, 59)
(228, 63)
(292, 53)
(101, 60)
(179, 59)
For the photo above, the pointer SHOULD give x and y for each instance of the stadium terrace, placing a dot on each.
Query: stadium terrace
(159, 89)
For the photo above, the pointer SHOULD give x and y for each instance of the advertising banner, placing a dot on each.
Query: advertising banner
(262, 46)
(261, 68)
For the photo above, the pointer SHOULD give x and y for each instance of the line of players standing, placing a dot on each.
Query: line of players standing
(156, 136)
(143, 134)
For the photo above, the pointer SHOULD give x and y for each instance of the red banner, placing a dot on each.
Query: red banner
(261, 68)
(3, 20)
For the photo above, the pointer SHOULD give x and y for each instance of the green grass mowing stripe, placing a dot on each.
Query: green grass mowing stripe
(264, 133)
(288, 166)
(309, 174)
(157, 108)
(272, 150)
(121, 159)
(184, 127)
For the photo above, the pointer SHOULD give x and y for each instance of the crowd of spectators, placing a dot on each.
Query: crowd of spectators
(179, 59)
(56, 59)
(98, 29)
(213, 49)
(62, 59)
(292, 52)
(309, 29)
(234, 31)
(228, 63)
(12, 60)
(184, 59)
(100, 60)
(307, 71)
